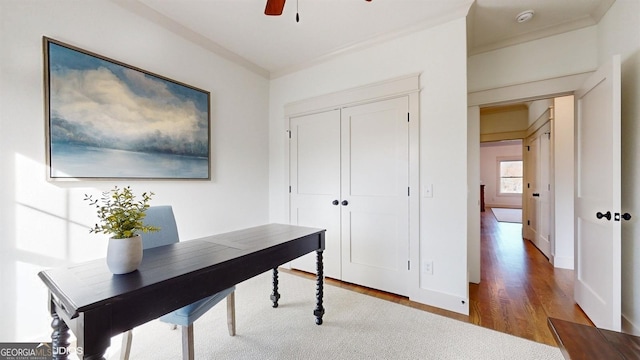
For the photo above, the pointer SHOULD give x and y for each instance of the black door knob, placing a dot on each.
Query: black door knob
(607, 215)
(626, 216)
(335, 202)
(345, 203)
(536, 194)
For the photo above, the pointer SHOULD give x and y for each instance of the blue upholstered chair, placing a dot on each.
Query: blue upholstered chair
(162, 217)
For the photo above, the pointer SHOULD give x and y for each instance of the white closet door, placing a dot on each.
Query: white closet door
(375, 200)
(315, 184)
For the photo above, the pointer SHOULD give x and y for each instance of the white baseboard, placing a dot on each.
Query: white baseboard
(503, 206)
(563, 262)
(441, 300)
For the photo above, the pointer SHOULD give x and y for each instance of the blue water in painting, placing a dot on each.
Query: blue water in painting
(77, 161)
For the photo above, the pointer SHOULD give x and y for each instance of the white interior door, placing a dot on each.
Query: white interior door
(598, 190)
(533, 166)
(315, 184)
(544, 190)
(375, 184)
(539, 189)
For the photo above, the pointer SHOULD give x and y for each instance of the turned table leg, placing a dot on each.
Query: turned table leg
(59, 338)
(319, 311)
(275, 296)
(60, 343)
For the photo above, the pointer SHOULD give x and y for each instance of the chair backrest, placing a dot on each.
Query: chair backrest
(162, 217)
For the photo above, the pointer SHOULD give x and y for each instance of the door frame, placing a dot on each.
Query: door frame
(548, 88)
(403, 86)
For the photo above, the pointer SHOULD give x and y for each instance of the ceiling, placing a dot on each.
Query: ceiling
(276, 45)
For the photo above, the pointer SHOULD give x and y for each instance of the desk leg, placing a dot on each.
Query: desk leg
(275, 296)
(60, 342)
(319, 311)
(59, 338)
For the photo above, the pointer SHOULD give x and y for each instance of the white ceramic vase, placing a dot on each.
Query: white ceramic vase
(124, 255)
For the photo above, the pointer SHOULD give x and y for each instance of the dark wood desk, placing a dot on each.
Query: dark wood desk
(582, 342)
(96, 305)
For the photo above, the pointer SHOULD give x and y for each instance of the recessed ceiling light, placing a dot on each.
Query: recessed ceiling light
(524, 16)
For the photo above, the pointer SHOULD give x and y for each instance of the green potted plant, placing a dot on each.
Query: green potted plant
(121, 215)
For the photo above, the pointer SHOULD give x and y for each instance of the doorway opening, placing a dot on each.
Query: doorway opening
(517, 260)
(545, 126)
(596, 184)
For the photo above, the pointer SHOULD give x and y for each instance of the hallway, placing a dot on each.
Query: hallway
(519, 288)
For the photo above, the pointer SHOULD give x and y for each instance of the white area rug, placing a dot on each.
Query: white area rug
(356, 326)
(507, 215)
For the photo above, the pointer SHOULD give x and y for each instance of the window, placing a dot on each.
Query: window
(510, 176)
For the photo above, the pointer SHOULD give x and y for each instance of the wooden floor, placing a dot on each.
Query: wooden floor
(518, 290)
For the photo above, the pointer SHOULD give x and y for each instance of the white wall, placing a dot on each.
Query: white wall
(43, 224)
(439, 54)
(503, 122)
(490, 154)
(569, 53)
(619, 33)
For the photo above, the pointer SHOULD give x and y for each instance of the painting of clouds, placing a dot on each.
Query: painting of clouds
(108, 120)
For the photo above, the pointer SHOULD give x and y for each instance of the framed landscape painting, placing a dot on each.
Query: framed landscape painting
(109, 120)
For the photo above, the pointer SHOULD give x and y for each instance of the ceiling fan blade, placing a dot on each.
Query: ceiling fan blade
(274, 7)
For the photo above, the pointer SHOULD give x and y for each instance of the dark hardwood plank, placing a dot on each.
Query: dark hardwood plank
(583, 342)
(627, 345)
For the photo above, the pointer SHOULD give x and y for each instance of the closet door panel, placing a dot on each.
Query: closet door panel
(315, 184)
(372, 240)
(374, 153)
(375, 208)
